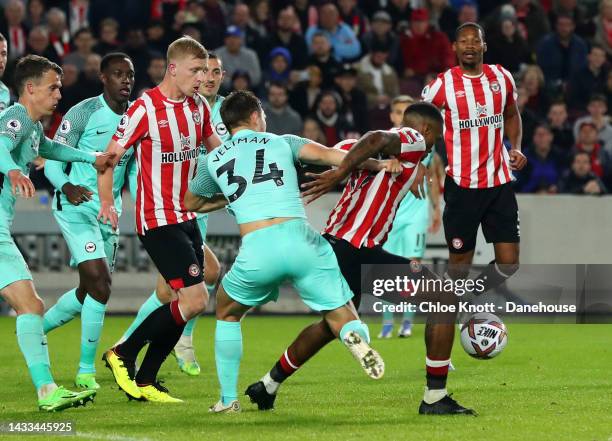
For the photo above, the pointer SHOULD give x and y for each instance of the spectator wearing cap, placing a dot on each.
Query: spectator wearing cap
(588, 142)
(507, 47)
(545, 163)
(286, 36)
(530, 16)
(376, 78)
(234, 57)
(603, 23)
(354, 101)
(580, 179)
(352, 15)
(327, 112)
(598, 115)
(563, 135)
(588, 80)
(280, 117)
(342, 38)
(381, 32)
(424, 49)
(442, 17)
(279, 66)
(561, 52)
(322, 56)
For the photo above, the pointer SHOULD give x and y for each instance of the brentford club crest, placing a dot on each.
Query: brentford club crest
(194, 270)
(495, 87)
(196, 117)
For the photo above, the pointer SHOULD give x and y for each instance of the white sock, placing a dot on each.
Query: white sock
(46, 389)
(271, 385)
(433, 395)
(184, 348)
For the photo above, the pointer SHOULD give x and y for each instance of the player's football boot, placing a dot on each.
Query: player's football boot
(62, 398)
(405, 330)
(185, 357)
(445, 406)
(123, 371)
(386, 331)
(371, 362)
(86, 381)
(259, 395)
(158, 394)
(219, 407)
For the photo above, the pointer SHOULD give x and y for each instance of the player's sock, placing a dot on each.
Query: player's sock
(387, 315)
(228, 352)
(169, 323)
(188, 331)
(33, 344)
(408, 316)
(490, 278)
(92, 320)
(358, 326)
(150, 305)
(66, 308)
(282, 370)
(437, 372)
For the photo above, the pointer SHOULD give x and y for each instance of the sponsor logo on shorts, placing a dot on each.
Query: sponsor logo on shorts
(457, 243)
(90, 247)
(194, 270)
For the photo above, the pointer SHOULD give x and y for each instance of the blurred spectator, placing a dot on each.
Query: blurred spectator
(399, 10)
(211, 33)
(578, 12)
(251, 37)
(381, 32)
(59, 35)
(260, 17)
(136, 48)
(72, 90)
(90, 77)
(304, 94)
(332, 121)
(561, 52)
(603, 24)
(442, 17)
(78, 15)
(240, 80)
(376, 78)
(155, 74)
(598, 115)
(590, 79)
(588, 142)
(580, 179)
(529, 118)
(304, 12)
(83, 47)
(215, 13)
(287, 37)
(609, 89)
(157, 37)
(36, 14)
(279, 67)
(15, 30)
(563, 136)
(312, 130)
(531, 18)
(322, 57)
(543, 168)
(507, 47)
(108, 37)
(424, 49)
(468, 12)
(38, 44)
(343, 39)
(234, 56)
(280, 117)
(532, 80)
(352, 15)
(354, 101)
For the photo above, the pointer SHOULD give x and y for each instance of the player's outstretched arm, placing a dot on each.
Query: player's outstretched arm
(57, 151)
(201, 204)
(108, 211)
(19, 182)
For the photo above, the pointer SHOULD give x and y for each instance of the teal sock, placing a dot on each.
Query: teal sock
(150, 305)
(228, 352)
(189, 327)
(387, 315)
(33, 344)
(357, 326)
(408, 316)
(92, 319)
(66, 308)
(211, 288)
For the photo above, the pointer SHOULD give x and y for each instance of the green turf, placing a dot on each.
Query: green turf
(553, 382)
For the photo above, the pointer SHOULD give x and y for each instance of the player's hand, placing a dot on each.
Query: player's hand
(321, 184)
(517, 160)
(39, 163)
(104, 161)
(592, 187)
(436, 221)
(20, 184)
(391, 165)
(420, 182)
(76, 194)
(108, 214)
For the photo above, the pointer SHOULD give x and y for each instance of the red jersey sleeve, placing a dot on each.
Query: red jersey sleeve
(134, 125)
(435, 92)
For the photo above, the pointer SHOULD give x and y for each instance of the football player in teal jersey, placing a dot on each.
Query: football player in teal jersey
(88, 126)
(5, 94)
(38, 83)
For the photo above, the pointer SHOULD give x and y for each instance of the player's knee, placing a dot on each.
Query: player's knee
(100, 289)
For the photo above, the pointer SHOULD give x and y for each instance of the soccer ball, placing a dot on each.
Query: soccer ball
(484, 336)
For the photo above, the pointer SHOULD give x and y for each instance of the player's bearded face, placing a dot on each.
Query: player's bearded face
(213, 75)
(46, 92)
(189, 74)
(470, 47)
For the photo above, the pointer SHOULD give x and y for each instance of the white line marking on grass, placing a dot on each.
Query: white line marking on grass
(103, 436)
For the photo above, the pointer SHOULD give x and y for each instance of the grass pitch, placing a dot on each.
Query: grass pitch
(553, 382)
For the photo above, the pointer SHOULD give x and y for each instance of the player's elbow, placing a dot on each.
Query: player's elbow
(191, 201)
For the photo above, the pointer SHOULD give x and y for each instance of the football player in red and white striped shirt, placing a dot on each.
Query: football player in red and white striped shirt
(167, 127)
(478, 103)
(356, 229)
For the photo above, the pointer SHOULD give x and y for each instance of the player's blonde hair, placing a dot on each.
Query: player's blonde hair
(403, 99)
(184, 47)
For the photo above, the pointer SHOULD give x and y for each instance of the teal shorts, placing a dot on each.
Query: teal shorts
(290, 251)
(202, 220)
(13, 266)
(87, 239)
(408, 234)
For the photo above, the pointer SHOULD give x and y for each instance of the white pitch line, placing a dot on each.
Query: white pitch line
(102, 436)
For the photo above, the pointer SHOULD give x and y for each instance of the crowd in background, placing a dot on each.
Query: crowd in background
(329, 70)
